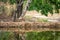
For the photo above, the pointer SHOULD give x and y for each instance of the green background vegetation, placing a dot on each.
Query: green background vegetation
(44, 5)
(47, 35)
(43, 35)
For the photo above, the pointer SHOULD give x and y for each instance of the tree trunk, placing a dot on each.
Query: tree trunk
(19, 8)
(18, 12)
(26, 7)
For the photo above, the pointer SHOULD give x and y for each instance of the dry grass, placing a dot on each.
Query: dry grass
(8, 9)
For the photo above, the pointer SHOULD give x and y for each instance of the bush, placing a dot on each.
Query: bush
(47, 35)
(6, 36)
(43, 35)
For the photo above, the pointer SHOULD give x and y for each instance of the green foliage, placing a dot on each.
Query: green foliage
(57, 4)
(45, 6)
(12, 1)
(49, 35)
(42, 20)
(2, 9)
(6, 36)
(3, 1)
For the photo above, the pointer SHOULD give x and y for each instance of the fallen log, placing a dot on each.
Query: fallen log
(29, 26)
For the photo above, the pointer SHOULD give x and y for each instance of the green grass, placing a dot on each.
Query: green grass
(43, 35)
(47, 35)
(6, 36)
(36, 19)
(28, 17)
(42, 20)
